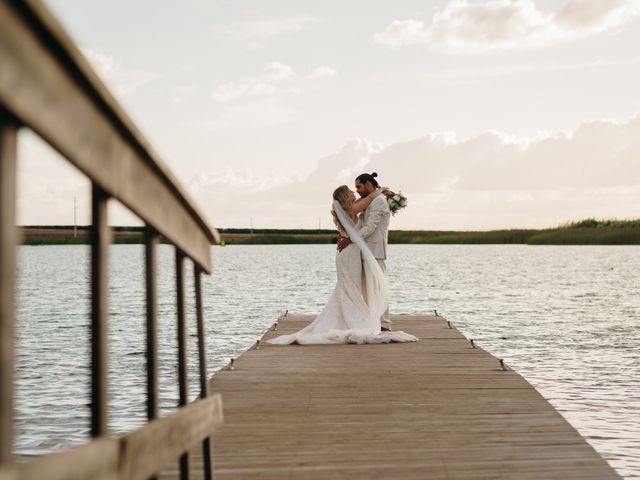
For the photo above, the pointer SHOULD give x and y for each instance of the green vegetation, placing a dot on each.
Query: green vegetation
(70, 240)
(590, 231)
(279, 238)
(452, 237)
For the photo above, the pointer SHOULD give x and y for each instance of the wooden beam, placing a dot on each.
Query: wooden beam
(8, 237)
(202, 358)
(97, 460)
(151, 281)
(99, 312)
(157, 445)
(136, 456)
(47, 84)
(183, 371)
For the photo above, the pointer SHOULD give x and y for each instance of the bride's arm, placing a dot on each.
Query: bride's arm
(362, 203)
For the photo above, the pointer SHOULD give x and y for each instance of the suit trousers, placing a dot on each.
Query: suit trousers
(385, 321)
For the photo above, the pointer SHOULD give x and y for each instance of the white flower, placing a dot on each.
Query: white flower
(396, 198)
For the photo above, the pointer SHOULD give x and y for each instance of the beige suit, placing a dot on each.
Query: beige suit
(375, 231)
(375, 226)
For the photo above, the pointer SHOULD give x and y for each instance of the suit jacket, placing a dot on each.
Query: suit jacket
(375, 226)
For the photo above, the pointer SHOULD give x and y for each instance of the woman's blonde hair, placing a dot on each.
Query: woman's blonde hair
(344, 196)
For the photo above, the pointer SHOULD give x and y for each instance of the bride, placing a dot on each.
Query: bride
(348, 317)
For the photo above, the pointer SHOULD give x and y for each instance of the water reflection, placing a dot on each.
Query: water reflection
(566, 318)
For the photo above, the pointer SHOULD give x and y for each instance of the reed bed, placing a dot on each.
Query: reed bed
(589, 231)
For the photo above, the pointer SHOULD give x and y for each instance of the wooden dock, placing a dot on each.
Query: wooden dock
(435, 409)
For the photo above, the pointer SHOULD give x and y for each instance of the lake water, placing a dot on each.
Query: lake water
(566, 318)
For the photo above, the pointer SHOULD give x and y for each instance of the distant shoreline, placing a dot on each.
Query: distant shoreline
(585, 232)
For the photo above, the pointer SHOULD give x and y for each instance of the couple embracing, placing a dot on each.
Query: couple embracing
(358, 309)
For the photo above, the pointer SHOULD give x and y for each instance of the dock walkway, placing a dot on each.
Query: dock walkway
(435, 409)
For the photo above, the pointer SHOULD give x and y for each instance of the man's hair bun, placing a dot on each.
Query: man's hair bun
(368, 177)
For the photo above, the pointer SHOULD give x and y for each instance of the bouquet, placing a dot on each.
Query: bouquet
(396, 201)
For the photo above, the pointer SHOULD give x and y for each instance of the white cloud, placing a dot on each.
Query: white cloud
(402, 32)
(243, 180)
(267, 83)
(256, 32)
(123, 80)
(260, 113)
(277, 72)
(491, 180)
(496, 25)
(487, 181)
(323, 71)
(596, 14)
(464, 75)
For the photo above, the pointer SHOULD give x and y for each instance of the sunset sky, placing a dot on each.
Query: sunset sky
(486, 114)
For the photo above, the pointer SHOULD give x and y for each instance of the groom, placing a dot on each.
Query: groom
(375, 229)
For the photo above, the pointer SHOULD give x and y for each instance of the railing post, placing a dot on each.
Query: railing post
(204, 390)
(8, 237)
(100, 239)
(182, 349)
(151, 242)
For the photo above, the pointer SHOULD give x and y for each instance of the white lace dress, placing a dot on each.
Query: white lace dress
(346, 318)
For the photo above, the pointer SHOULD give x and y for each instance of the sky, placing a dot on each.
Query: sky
(485, 114)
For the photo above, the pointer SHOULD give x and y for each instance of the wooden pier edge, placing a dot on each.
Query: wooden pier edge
(136, 456)
(435, 409)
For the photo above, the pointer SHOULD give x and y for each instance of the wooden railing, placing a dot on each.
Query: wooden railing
(46, 85)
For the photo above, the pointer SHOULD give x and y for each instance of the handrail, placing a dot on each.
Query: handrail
(135, 456)
(47, 85)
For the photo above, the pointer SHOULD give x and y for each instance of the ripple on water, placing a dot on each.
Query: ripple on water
(567, 318)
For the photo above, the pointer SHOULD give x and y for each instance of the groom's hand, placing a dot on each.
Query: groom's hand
(343, 243)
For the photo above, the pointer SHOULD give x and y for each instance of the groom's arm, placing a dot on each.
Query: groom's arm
(378, 211)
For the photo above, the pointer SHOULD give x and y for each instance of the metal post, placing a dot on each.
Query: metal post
(151, 242)
(8, 237)
(204, 390)
(182, 350)
(100, 239)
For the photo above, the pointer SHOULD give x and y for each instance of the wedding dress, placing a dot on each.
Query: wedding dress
(347, 317)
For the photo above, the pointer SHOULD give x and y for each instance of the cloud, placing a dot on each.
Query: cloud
(253, 102)
(595, 14)
(497, 25)
(467, 74)
(260, 113)
(123, 80)
(277, 200)
(323, 71)
(259, 101)
(243, 180)
(267, 83)
(402, 32)
(277, 72)
(491, 180)
(256, 32)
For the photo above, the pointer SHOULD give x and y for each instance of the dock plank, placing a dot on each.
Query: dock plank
(435, 409)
